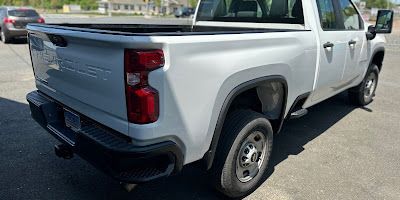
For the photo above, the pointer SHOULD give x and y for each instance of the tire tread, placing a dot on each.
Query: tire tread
(234, 123)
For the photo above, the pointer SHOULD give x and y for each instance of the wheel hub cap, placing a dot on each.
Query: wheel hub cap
(251, 156)
(370, 86)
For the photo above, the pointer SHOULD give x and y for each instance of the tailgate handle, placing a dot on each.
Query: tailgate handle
(57, 40)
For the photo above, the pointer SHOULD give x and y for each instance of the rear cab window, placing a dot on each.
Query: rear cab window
(258, 11)
(23, 13)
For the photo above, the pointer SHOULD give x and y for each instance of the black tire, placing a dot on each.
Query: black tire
(238, 126)
(358, 95)
(4, 37)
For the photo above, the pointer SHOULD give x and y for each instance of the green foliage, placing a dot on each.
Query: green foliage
(55, 4)
(51, 4)
(88, 4)
(157, 3)
(379, 4)
(193, 3)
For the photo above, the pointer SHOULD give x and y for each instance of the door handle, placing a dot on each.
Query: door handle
(352, 42)
(328, 45)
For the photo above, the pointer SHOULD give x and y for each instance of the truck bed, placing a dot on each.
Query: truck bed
(160, 30)
(82, 65)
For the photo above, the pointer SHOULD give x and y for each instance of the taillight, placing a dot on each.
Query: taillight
(41, 20)
(142, 101)
(8, 21)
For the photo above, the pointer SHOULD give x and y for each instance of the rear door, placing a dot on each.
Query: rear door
(334, 43)
(354, 27)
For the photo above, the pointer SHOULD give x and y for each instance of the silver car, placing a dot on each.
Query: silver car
(13, 21)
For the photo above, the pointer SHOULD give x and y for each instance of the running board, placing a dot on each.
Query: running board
(299, 113)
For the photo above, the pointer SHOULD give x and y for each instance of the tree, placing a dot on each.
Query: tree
(87, 4)
(56, 4)
(193, 3)
(379, 3)
(157, 3)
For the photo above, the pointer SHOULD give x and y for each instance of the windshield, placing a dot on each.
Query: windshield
(261, 11)
(23, 13)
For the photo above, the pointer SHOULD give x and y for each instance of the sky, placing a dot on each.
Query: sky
(395, 1)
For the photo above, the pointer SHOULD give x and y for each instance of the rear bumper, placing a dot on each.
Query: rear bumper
(13, 32)
(107, 150)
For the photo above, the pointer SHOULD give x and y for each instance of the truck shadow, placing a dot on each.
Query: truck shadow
(297, 133)
(193, 183)
(19, 41)
(54, 178)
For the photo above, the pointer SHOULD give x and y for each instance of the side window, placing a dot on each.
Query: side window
(254, 11)
(350, 15)
(327, 15)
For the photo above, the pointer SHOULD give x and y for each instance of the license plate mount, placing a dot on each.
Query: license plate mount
(72, 120)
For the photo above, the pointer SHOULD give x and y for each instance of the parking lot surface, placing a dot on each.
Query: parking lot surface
(337, 151)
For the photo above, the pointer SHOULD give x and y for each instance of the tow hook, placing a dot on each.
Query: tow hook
(63, 151)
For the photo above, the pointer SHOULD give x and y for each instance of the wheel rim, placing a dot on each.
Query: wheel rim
(251, 156)
(370, 86)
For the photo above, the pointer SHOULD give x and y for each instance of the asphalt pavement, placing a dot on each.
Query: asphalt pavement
(337, 151)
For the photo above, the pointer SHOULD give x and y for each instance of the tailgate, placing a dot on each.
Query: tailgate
(83, 74)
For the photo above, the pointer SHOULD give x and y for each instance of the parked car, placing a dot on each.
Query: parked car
(184, 12)
(139, 102)
(13, 21)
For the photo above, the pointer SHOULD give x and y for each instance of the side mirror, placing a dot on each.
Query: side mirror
(384, 21)
(384, 24)
(371, 33)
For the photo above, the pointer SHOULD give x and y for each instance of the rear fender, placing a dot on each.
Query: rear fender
(260, 83)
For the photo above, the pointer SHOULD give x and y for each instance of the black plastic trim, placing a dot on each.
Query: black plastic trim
(376, 51)
(106, 149)
(297, 103)
(58, 40)
(328, 44)
(175, 33)
(209, 156)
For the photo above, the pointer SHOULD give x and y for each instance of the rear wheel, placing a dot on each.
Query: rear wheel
(243, 153)
(4, 37)
(364, 93)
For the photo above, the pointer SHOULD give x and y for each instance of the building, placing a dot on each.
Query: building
(141, 6)
(72, 9)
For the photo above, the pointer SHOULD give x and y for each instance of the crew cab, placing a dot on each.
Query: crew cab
(139, 101)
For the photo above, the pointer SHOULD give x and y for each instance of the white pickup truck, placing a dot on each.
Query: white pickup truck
(139, 102)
